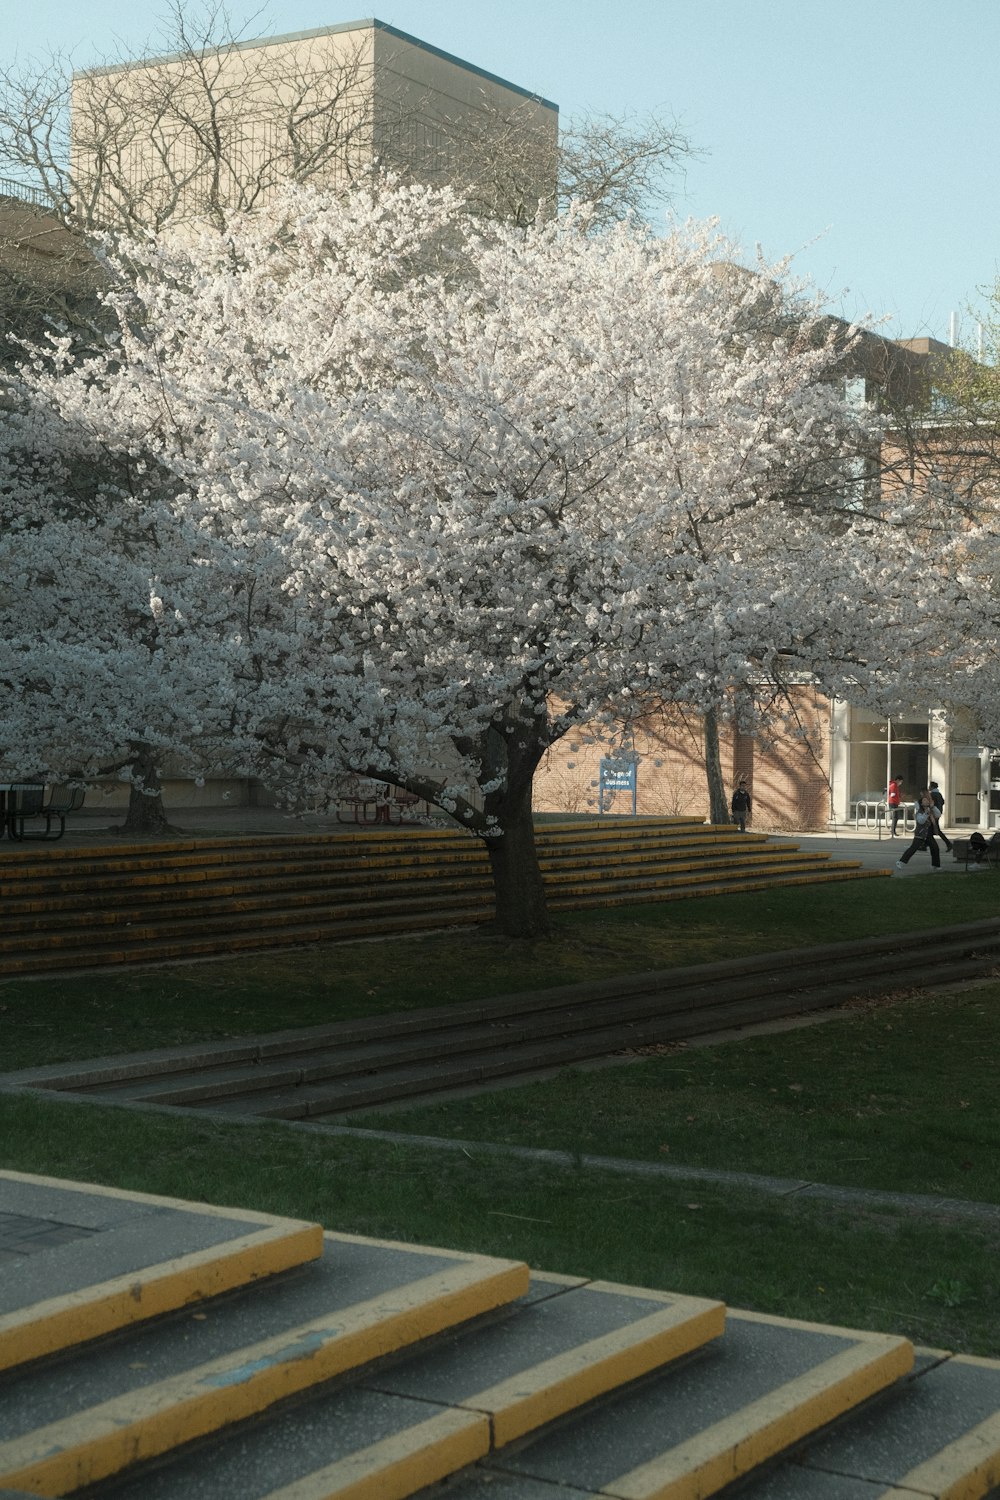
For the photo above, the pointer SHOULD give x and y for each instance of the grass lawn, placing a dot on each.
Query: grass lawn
(936, 1282)
(899, 1096)
(55, 1020)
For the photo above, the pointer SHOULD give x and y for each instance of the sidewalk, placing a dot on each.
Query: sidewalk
(875, 852)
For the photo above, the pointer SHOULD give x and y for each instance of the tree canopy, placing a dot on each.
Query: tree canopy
(434, 493)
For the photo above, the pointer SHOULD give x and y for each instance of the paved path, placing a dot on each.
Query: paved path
(876, 853)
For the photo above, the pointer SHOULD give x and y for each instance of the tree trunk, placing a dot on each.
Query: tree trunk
(517, 880)
(145, 813)
(718, 802)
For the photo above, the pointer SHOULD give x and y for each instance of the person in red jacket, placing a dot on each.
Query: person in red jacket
(895, 800)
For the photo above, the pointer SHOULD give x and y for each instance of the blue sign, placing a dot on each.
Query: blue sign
(618, 774)
(617, 777)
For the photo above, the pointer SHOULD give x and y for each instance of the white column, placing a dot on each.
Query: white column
(840, 760)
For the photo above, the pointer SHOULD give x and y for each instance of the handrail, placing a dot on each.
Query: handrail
(11, 188)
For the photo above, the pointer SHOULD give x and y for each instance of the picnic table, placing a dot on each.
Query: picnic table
(23, 802)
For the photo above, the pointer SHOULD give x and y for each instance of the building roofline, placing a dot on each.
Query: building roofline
(302, 36)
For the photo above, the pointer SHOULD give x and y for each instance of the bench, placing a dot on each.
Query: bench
(358, 797)
(26, 802)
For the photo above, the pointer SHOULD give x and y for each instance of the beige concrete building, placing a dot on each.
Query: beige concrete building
(45, 269)
(201, 132)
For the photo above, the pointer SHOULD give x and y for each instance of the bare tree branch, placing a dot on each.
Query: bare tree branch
(620, 166)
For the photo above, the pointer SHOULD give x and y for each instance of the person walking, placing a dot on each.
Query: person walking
(895, 801)
(923, 835)
(937, 797)
(742, 804)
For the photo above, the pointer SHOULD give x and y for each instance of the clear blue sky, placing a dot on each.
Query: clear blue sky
(861, 136)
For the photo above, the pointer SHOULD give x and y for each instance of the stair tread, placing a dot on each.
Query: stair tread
(60, 923)
(194, 886)
(410, 1364)
(768, 1383)
(154, 1387)
(936, 1433)
(403, 1079)
(743, 1398)
(68, 909)
(614, 1020)
(117, 1259)
(448, 1046)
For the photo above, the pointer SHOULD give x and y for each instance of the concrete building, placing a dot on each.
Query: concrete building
(204, 131)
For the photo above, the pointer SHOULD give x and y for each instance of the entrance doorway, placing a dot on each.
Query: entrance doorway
(883, 748)
(963, 794)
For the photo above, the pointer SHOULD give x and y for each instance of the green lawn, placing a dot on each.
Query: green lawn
(936, 1282)
(901, 1097)
(55, 1020)
(895, 1096)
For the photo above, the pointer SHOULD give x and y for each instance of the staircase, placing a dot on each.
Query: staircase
(369, 1062)
(332, 1367)
(67, 908)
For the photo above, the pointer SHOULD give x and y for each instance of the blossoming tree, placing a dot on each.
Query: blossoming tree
(110, 655)
(465, 488)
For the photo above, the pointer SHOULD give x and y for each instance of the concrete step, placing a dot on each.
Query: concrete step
(933, 1433)
(409, 845)
(158, 918)
(102, 1260)
(73, 1422)
(345, 880)
(362, 1063)
(67, 909)
(364, 1078)
(794, 1375)
(374, 850)
(937, 1433)
(381, 1369)
(207, 906)
(122, 948)
(159, 914)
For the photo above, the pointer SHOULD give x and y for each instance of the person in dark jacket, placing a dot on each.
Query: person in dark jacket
(937, 797)
(742, 804)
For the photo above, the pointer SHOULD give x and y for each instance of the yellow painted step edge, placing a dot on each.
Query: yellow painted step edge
(58, 1323)
(526, 1400)
(733, 1447)
(966, 1469)
(531, 1398)
(62, 1322)
(79, 1450)
(399, 1465)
